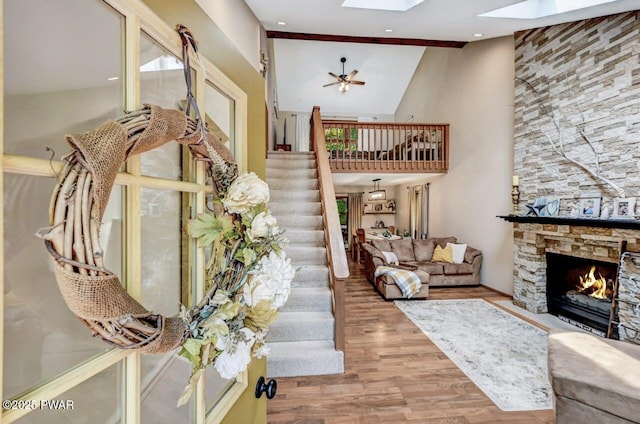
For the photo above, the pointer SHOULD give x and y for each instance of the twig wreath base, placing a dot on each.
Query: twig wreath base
(247, 276)
(92, 292)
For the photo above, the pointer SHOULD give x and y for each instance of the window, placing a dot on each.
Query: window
(47, 353)
(343, 213)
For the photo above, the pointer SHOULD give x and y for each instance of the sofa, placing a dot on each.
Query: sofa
(594, 380)
(417, 254)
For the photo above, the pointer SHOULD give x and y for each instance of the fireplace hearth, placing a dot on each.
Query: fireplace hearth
(579, 291)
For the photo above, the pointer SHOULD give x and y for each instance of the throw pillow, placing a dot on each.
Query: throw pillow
(423, 249)
(381, 245)
(390, 258)
(403, 250)
(442, 255)
(442, 241)
(457, 251)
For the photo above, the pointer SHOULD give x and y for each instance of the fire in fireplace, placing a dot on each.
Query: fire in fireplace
(594, 287)
(579, 291)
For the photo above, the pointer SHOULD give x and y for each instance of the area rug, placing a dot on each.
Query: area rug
(503, 355)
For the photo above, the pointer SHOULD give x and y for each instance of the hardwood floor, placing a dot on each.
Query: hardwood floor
(393, 373)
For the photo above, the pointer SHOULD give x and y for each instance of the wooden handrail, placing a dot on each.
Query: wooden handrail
(387, 146)
(336, 255)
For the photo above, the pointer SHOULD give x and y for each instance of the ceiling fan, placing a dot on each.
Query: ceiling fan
(343, 80)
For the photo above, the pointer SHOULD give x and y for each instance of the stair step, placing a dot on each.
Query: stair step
(311, 276)
(312, 299)
(293, 184)
(293, 359)
(279, 209)
(305, 255)
(300, 326)
(277, 154)
(301, 222)
(290, 163)
(295, 196)
(304, 237)
(291, 173)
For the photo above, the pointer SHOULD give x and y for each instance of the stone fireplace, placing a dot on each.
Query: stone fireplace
(532, 241)
(535, 242)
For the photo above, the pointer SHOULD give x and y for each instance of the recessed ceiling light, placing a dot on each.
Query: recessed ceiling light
(534, 9)
(395, 5)
(478, 34)
(388, 30)
(282, 23)
(113, 78)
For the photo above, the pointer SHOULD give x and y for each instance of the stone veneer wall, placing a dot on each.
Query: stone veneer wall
(588, 74)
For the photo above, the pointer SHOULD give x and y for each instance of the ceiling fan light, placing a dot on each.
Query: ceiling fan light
(343, 87)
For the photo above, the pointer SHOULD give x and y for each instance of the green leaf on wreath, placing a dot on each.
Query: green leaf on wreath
(191, 350)
(216, 325)
(228, 310)
(209, 229)
(247, 256)
(260, 316)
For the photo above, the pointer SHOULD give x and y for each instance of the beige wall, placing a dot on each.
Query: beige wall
(239, 24)
(472, 89)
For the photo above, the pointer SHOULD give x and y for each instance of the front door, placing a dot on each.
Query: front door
(68, 66)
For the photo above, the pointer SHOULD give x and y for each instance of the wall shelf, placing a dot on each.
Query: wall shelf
(387, 207)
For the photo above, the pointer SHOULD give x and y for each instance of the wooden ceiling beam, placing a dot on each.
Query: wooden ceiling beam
(368, 40)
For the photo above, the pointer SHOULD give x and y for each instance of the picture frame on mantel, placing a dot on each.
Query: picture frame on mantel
(589, 207)
(624, 208)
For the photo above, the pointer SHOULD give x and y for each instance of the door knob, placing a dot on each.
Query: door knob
(269, 388)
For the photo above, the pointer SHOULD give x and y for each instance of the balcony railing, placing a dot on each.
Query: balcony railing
(387, 147)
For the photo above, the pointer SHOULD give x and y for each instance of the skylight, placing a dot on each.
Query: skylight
(394, 5)
(533, 9)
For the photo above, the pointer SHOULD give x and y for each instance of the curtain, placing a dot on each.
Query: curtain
(303, 129)
(354, 214)
(419, 211)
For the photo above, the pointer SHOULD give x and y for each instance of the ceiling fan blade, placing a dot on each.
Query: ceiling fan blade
(334, 75)
(351, 75)
(333, 83)
(356, 82)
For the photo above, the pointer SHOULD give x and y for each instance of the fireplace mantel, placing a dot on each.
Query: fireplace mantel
(625, 224)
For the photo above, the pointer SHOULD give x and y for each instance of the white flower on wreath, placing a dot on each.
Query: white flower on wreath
(271, 280)
(244, 193)
(262, 226)
(236, 352)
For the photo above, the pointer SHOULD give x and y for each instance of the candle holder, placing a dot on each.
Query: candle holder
(515, 198)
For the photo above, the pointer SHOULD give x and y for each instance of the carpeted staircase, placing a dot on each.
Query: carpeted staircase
(302, 338)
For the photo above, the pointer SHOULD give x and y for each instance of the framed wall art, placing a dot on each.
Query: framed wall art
(624, 207)
(589, 207)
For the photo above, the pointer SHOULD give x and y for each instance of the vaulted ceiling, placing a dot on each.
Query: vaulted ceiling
(302, 66)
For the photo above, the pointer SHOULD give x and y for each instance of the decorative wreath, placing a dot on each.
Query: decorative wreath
(247, 275)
